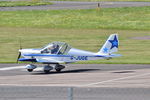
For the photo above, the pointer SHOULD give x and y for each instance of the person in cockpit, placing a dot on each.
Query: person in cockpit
(55, 49)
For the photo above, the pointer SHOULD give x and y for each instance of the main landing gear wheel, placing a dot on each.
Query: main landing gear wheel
(58, 68)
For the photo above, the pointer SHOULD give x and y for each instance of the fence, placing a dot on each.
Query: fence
(72, 93)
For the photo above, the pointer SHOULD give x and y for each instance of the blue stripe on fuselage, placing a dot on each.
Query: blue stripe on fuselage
(49, 55)
(26, 59)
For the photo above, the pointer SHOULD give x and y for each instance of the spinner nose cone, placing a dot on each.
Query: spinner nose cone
(20, 50)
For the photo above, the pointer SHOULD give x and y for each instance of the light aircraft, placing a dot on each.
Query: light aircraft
(58, 53)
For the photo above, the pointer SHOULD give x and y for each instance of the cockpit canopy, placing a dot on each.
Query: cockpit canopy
(56, 48)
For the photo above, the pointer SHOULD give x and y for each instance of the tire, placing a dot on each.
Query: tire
(30, 70)
(58, 70)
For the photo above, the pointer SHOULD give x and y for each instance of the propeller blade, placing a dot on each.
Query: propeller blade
(19, 56)
(20, 46)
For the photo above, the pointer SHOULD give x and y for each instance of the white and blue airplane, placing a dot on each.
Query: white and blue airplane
(58, 53)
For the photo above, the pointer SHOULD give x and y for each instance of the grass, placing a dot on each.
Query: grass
(83, 29)
(133, 51)
(23, 3)
(102, 0)
(128, 18)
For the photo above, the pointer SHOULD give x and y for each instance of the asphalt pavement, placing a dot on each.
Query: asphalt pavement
(89, 82)
(77, 5)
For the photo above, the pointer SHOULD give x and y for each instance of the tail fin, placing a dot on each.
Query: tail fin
(111, 45)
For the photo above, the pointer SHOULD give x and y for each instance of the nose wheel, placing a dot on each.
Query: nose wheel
(29, 70)
(30, 67)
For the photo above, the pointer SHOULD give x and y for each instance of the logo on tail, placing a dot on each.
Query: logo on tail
(114, 42)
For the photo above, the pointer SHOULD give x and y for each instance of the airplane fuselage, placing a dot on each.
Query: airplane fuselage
(73, 55)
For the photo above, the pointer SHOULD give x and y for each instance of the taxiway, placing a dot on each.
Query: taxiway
(90, 82)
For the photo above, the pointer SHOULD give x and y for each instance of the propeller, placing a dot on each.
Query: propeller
(19, 55)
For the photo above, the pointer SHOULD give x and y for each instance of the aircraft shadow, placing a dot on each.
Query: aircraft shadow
(124, 72)
(67, 71)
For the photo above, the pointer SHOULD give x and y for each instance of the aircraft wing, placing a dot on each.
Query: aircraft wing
(49, 60)
(41, 60)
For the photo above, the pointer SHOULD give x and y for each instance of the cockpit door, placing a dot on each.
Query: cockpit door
(64, 49)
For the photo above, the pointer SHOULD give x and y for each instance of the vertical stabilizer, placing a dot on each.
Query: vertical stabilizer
(111, 45)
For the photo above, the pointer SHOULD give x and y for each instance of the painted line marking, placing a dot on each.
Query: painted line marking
(117, 79)
(11, 68)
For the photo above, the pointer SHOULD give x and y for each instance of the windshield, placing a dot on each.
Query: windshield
(56, 48)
